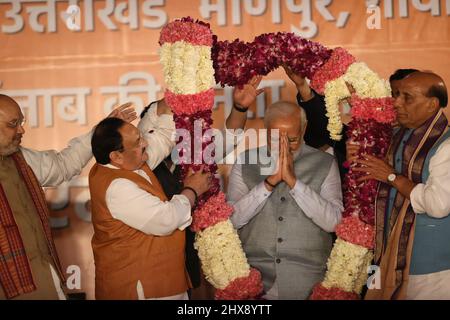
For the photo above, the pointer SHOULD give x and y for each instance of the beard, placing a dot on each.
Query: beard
(11, 148)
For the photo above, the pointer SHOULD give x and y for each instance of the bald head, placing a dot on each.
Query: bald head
(7, 104)
(11, 129)
(285, 111)
(433, 86)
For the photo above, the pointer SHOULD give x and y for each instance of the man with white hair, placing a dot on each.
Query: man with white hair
(285, 219)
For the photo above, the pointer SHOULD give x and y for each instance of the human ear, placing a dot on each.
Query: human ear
(116, 157)
(303, 130)
(433, 104)
(436, 102)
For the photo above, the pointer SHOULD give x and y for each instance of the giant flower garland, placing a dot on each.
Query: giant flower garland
(331, 73)
(188, 70)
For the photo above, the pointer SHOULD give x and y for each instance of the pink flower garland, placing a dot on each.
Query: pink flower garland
(373, 139)
(211, 206)
(187, 30)
(237, 62)
(334, 68)
(186, 122)
(190, 103)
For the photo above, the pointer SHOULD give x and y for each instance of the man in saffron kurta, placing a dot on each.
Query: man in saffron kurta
(29, 265)
(413, 199)
(139, 237)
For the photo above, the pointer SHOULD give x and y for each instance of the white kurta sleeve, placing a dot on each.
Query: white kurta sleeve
(324, 208)
(147, 213)
(246, 203)
(433, 197)
(52, 168)
(159, 131)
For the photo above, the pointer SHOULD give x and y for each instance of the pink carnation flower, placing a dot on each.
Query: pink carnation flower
(322, 293)
(353, 230)
(188, 30)
(378, 109)
(242, 288)
(190, 103)
(213, 211)
(334, 68)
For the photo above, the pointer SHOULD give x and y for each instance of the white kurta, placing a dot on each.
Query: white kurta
(433, 198)
(52, 168)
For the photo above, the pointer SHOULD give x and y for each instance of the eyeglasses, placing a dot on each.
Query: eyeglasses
(294, 140)
(16, 123)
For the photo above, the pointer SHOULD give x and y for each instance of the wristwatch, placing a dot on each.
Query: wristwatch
(240, 108)
(391, 177)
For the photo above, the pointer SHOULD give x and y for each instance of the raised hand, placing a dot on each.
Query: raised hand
(163, 108)
(126, 112)
(300, 82)
(247, 94)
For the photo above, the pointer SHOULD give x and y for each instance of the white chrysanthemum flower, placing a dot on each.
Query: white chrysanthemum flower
(221, 254)
(346, 265)
(188, 69)
(362, 280)
(205, 75)
(366, 82)
(335, 91)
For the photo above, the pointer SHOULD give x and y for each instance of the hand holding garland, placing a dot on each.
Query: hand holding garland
(196, 184)
(379, 170)
(163, 108)
(300, 82)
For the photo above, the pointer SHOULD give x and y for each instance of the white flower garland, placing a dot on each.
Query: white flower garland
(347, 266)
(221, 254)
(187, 68)
(366, 83)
